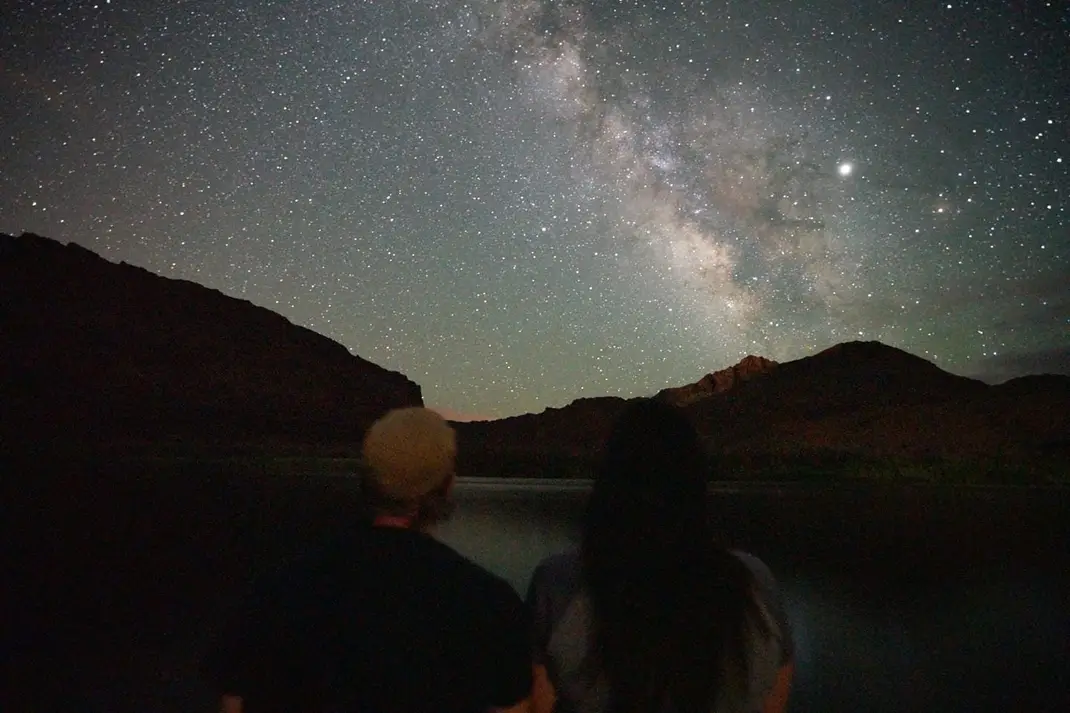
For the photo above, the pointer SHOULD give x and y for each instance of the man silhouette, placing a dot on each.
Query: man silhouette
(386, 618)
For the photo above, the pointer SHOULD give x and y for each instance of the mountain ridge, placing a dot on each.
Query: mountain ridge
(854, 400)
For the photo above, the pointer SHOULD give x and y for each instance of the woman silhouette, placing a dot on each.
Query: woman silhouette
(651, 614)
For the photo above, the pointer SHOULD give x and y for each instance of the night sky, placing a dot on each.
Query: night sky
(520, 203)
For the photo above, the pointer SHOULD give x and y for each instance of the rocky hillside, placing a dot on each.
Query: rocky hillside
(717, 382)
(95, 352)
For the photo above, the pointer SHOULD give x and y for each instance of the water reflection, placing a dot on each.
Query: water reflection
(926, 607)
(510, 531)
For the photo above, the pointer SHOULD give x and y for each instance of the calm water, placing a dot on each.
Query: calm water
(926, 599)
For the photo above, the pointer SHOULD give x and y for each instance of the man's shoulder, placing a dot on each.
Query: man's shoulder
(479, 576)
(448, 572)
(393, 555)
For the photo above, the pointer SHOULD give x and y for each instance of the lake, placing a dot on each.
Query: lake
(902, 597)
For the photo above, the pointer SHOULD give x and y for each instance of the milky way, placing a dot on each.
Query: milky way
(519, 203)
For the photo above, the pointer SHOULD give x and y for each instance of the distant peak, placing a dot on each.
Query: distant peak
(860, 349)
(718, 382)
(752, 364)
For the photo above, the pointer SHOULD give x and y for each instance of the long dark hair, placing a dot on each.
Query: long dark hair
(670, 606)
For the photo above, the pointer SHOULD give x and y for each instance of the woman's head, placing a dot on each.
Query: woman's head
(650, 488)
(654, 448)
(669, 604)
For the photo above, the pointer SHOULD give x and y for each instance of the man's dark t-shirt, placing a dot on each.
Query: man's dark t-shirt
(385, 619)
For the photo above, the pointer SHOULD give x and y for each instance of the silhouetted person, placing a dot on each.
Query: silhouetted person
(650, 615)
(387, 618)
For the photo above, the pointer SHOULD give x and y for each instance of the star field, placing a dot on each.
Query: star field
(519, 203)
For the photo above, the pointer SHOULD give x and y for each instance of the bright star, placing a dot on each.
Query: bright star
(846, 168)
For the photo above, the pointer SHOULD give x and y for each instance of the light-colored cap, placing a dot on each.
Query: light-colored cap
(409, 452)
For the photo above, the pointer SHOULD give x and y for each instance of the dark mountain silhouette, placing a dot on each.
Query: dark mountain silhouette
(95, 352)
(559, 442)
(871, 399)
(857, 400)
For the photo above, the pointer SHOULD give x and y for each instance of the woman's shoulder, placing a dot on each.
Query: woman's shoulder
(556, 577)
(765, 584)
(555, 585)
(560, 564)
(770, 602)
(758, 569)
